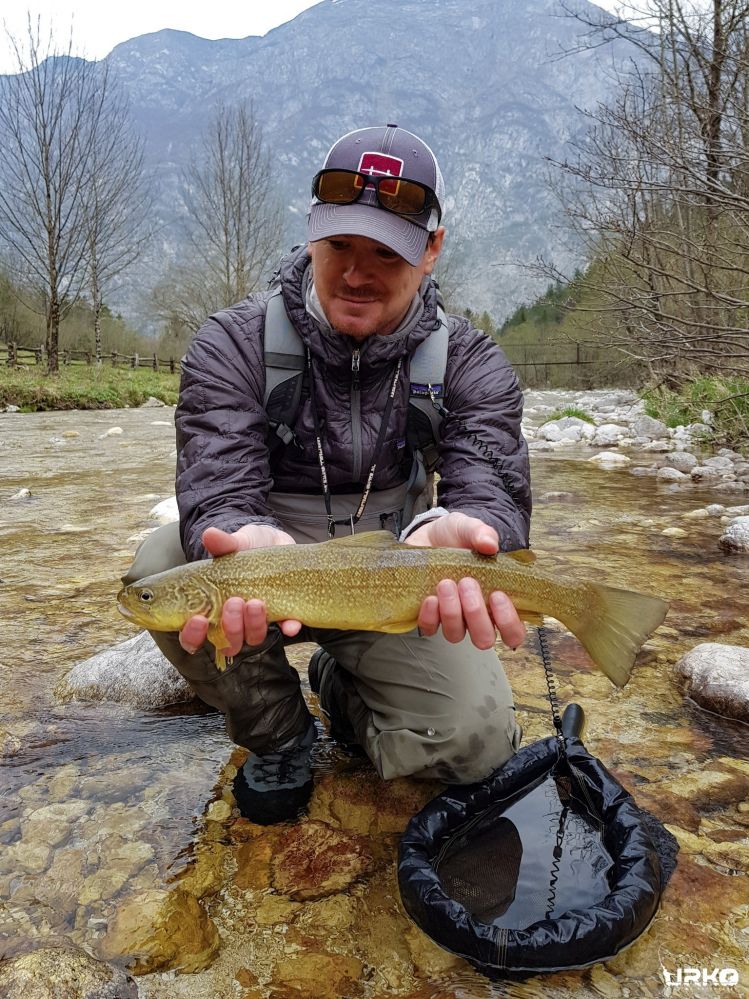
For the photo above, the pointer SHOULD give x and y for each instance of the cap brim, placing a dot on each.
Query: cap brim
(406, 239)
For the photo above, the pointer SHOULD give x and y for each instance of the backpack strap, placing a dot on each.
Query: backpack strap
(284, 371)
(427, 375)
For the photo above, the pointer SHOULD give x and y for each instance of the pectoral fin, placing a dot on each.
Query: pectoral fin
(218, 639)
(397, 627)
(532, 617)
(522, 555)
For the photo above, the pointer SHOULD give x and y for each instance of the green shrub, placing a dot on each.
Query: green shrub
(727, 400)
(570, 411)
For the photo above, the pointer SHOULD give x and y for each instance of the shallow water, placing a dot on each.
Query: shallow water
(135, 793)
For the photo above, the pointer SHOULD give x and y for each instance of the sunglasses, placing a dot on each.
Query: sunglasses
(394, 194)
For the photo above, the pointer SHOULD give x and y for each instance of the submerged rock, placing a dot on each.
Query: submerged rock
(325, 976)
(63, 973)
(135, 672)
(717, 678)
(316, 860)
(162, 931)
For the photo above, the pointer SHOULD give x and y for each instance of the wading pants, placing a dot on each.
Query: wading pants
(419, 706)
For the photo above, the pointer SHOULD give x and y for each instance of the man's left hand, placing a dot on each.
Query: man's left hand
(460, 607)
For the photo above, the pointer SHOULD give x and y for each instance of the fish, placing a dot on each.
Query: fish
(371, 582)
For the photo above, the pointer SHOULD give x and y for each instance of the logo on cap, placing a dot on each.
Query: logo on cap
(381, 165)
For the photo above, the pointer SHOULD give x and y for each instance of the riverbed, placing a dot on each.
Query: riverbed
(101, 804)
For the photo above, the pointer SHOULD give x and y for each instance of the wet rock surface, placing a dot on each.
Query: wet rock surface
(315, 860)
(717, 678)
(736, 536)
(63, 973)
(162, 931)
(133, 672)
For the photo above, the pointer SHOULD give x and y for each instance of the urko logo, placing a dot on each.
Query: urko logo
(727, 977)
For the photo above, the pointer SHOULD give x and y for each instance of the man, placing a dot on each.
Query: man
(360, 300)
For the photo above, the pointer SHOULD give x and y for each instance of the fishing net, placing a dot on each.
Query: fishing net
(547, 864)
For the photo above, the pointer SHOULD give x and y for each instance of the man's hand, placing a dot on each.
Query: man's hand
(242, 620)
(460, 607)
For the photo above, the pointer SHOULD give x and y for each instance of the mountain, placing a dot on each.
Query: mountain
(481, 81)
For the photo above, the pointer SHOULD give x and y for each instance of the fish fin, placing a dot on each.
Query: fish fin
(368, 539)
(522, 555)
(531, 617)
(397, 627)
(218, 639)
(616, 626)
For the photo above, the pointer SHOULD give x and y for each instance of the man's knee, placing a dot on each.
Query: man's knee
(160, 550)
(458, 754)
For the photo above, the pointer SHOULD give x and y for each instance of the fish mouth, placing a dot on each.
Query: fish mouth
(126, 612)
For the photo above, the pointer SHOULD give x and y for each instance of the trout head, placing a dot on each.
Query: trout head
(165, 602)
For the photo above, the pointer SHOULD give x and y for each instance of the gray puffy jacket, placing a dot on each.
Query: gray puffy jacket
(225, 473)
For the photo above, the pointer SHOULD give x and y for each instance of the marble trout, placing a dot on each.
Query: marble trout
(370, 582)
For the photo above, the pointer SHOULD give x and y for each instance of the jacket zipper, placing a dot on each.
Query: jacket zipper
(356, 415)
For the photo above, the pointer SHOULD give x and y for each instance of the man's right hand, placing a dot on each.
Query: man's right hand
(242, 620)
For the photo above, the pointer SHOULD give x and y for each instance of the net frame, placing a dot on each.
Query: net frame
(578, 937)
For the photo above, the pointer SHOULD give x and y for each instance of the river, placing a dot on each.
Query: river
(101, 803)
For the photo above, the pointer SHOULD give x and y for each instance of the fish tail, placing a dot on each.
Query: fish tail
(616, 626)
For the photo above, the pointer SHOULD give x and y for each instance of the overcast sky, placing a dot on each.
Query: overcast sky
(98, 27)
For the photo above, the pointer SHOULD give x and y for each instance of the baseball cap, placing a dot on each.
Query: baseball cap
(381, 151)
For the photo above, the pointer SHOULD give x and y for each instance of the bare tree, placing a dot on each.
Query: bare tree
(46, 132)
(117, 199)
(71, 195)
(659, 190)
(234, 226)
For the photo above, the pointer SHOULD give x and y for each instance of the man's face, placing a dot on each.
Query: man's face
(363, 286)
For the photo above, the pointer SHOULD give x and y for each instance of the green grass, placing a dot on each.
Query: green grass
(570, 411)
(727, 399)
(78, 386)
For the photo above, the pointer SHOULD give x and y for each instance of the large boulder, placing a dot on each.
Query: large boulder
(135, 672)
(568, 428)
(717, 678)
(735, 538)
(646, 426)
(682, 461)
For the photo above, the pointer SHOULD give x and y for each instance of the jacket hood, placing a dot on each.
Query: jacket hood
(334, 348)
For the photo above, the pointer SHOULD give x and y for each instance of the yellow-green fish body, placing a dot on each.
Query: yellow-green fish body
(370, 582)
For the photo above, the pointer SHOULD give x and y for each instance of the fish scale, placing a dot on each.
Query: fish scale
(370, 582)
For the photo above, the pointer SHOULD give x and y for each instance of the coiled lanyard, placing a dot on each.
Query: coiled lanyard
(353, 518)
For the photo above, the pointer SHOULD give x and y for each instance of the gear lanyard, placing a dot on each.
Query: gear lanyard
(353, 518)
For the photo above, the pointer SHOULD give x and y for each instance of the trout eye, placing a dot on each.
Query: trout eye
(145, 596)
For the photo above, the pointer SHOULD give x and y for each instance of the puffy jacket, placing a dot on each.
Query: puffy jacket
(224, 470)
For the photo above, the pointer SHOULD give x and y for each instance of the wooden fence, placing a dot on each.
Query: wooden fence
(562, 365)
(536, 364)
(16, 355)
